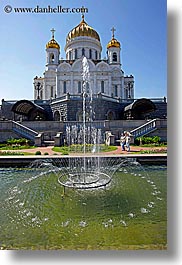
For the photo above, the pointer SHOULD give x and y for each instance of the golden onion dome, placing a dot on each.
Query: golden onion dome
(113, 43)
(52, 43)
(83, 29)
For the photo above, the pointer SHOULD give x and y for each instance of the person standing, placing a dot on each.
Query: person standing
(122, 141)
(128, 140)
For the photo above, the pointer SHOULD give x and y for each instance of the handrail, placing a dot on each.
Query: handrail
(23, 130)
(144, 129)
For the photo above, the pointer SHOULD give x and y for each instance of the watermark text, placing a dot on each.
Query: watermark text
(45, 10)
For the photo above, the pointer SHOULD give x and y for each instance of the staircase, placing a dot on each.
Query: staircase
(24, 131)
(145, 129)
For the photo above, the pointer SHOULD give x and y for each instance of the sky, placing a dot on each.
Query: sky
(141, 28)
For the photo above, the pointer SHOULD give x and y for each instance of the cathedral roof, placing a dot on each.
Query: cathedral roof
(83, 29)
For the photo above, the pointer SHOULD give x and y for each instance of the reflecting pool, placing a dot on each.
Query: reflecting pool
(130, 213)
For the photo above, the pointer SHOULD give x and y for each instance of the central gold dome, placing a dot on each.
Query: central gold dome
(83, 29)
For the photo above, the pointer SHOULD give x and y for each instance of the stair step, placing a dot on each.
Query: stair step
(48, 143)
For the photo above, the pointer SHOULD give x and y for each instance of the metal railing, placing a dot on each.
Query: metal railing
(145, 128)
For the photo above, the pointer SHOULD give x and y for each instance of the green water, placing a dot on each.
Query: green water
(130, 214)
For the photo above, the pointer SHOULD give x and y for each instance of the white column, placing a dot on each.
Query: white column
(57, 94)
(95, 84)
(109, 85)
(122, 88)
(71, 85)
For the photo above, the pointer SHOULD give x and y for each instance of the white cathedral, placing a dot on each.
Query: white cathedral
(58, 95)
(63, 76)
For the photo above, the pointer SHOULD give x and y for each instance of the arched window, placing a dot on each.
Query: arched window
(79, 87)
(126, 93)
(116, 90)
(64, 87)
(90, 54)
(110, 115)
(83, 52)
(114, 57)
(52, 91)
(96, 55)
(69, 55)
(57, 116)
(102, 86)
(76, 54)
(87, 87)
(52, 57)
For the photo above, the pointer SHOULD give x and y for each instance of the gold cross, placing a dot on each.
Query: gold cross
(82, 11)
(113, 29)
(53, 30)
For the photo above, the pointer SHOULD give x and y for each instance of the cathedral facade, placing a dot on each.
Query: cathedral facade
(64, 76)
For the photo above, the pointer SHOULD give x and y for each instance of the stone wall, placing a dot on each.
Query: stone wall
(70, 108)
(51, 128)
(6, 131)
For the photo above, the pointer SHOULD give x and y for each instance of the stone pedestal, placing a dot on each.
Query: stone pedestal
(39, 139)
(58, 139)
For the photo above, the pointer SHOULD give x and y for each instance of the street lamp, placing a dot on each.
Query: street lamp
(38, 87)
(130, 86)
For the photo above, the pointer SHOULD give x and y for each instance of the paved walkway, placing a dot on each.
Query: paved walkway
(49, 150)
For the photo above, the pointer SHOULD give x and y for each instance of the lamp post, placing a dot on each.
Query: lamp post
(130, 86)
(38, 87)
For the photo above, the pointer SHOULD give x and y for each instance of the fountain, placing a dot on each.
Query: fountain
(130, 215)
(35, 216)
(87, 171)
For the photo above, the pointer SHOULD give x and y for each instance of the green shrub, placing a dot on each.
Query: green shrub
(146, 140)
(153, 151)
(21, 141)
(8, 153)
(65, 153)
(2, 145)
(37, 153)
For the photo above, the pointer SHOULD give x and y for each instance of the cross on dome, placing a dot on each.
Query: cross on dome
(52, 43)
(113, 30)
(113, 42)
(83, 11)
(53, 30)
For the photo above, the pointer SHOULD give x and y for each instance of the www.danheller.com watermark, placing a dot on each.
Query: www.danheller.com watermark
(37, 10)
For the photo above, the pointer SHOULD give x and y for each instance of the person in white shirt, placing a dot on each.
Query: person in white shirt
(128, 140)
(122, 141)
